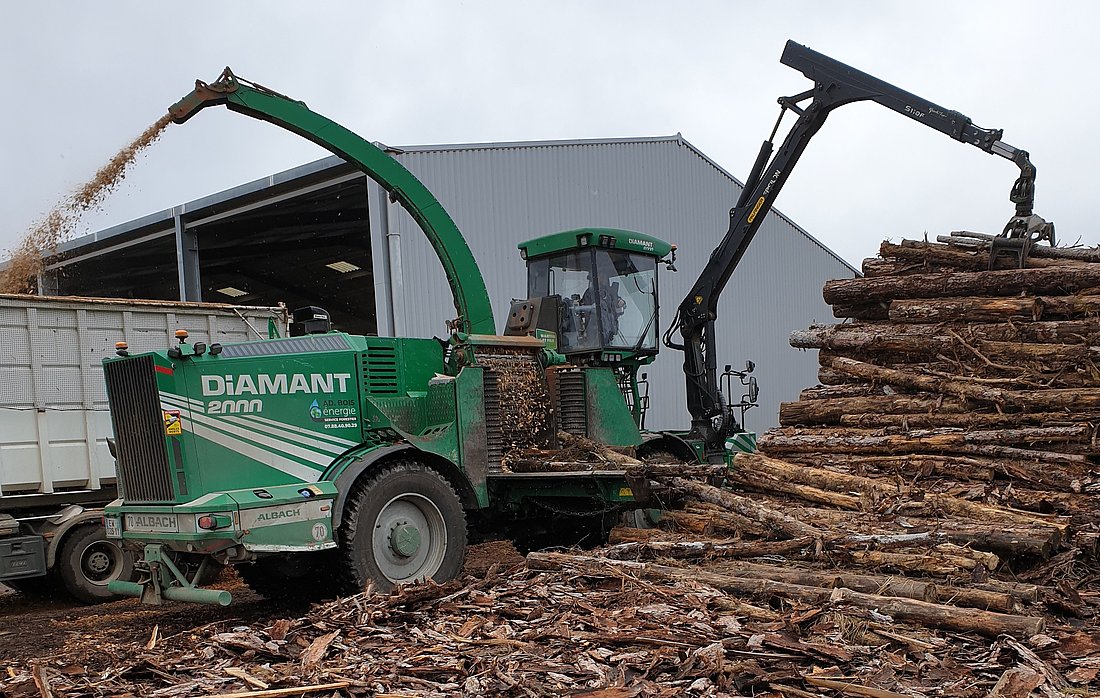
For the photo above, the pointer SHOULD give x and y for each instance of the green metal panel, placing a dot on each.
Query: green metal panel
(470, 418)
(627, 240)
(610, 420)
(467, 285)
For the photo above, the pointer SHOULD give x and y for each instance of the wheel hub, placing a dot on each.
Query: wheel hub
(405, 539)
(98, 562)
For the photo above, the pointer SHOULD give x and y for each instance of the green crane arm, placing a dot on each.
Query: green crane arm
(471, 299)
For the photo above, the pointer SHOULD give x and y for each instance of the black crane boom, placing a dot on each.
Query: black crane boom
(835, 84)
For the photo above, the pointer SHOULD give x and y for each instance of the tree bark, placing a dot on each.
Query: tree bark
(1057, 280)
(1040, 541)
(810, 412)
(724, 520)
(1029, 308)
(626, 534)
(763, 483)
(911, 252)
(687, 522)
(841, 391)
(928, 561)
(914, 381)
(774, 520)
(934, 420)
(753, 463)
(961, 468)
(788, 441)
(976, 240)
(648, 549)
(933, 615)
(1049, 332)
(872, 339)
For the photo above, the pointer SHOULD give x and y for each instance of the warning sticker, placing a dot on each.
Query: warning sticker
(172, 424)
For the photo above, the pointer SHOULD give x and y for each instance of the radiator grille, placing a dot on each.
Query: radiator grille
(571, 403)
(494, 430)
(379, 365)
(144, 474)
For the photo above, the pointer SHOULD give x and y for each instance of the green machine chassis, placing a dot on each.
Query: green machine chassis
(263, 451)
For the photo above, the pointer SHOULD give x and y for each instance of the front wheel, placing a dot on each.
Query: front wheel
(87, 561)
(402, 524)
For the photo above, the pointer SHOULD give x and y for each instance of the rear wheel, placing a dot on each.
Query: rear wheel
(87, 561)
(402, 524)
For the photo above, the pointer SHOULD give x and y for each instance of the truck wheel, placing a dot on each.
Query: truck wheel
(87, 561)
(402, 524)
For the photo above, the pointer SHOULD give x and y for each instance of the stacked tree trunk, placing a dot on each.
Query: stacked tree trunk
(964, 395)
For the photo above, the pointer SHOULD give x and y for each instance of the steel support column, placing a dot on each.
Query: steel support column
(187, 260)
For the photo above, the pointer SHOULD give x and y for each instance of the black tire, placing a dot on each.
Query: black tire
(293, 577)
(87, 561)
(402, 523)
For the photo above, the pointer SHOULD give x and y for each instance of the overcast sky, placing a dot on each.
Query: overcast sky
(82, 79)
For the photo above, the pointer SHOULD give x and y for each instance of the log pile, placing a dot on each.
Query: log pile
(958, 406)
(983, 384)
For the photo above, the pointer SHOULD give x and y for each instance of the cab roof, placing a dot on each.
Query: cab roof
(609, 238)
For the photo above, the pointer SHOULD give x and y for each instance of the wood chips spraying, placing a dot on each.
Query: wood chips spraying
(26, 259)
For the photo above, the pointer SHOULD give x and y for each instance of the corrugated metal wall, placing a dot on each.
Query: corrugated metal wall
(502, 194)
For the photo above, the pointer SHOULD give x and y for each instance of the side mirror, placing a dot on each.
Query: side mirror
(749, 367)
(754, 389)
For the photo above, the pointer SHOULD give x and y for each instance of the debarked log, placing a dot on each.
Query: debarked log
(925, 613)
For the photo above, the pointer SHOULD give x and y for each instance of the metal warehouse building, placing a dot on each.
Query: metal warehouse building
(324, 234)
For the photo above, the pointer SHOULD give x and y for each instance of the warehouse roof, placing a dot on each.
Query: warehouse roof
(321, 172)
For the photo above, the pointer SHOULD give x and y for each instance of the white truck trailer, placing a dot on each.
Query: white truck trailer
(56, 467)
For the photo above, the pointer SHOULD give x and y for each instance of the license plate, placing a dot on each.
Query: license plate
(152, 523)
(112, 527)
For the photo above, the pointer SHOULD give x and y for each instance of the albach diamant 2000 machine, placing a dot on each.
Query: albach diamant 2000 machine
(323, 462)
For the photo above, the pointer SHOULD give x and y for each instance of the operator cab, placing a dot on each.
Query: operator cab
(592, 294)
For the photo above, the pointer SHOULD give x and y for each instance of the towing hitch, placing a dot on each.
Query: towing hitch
(164, 581)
